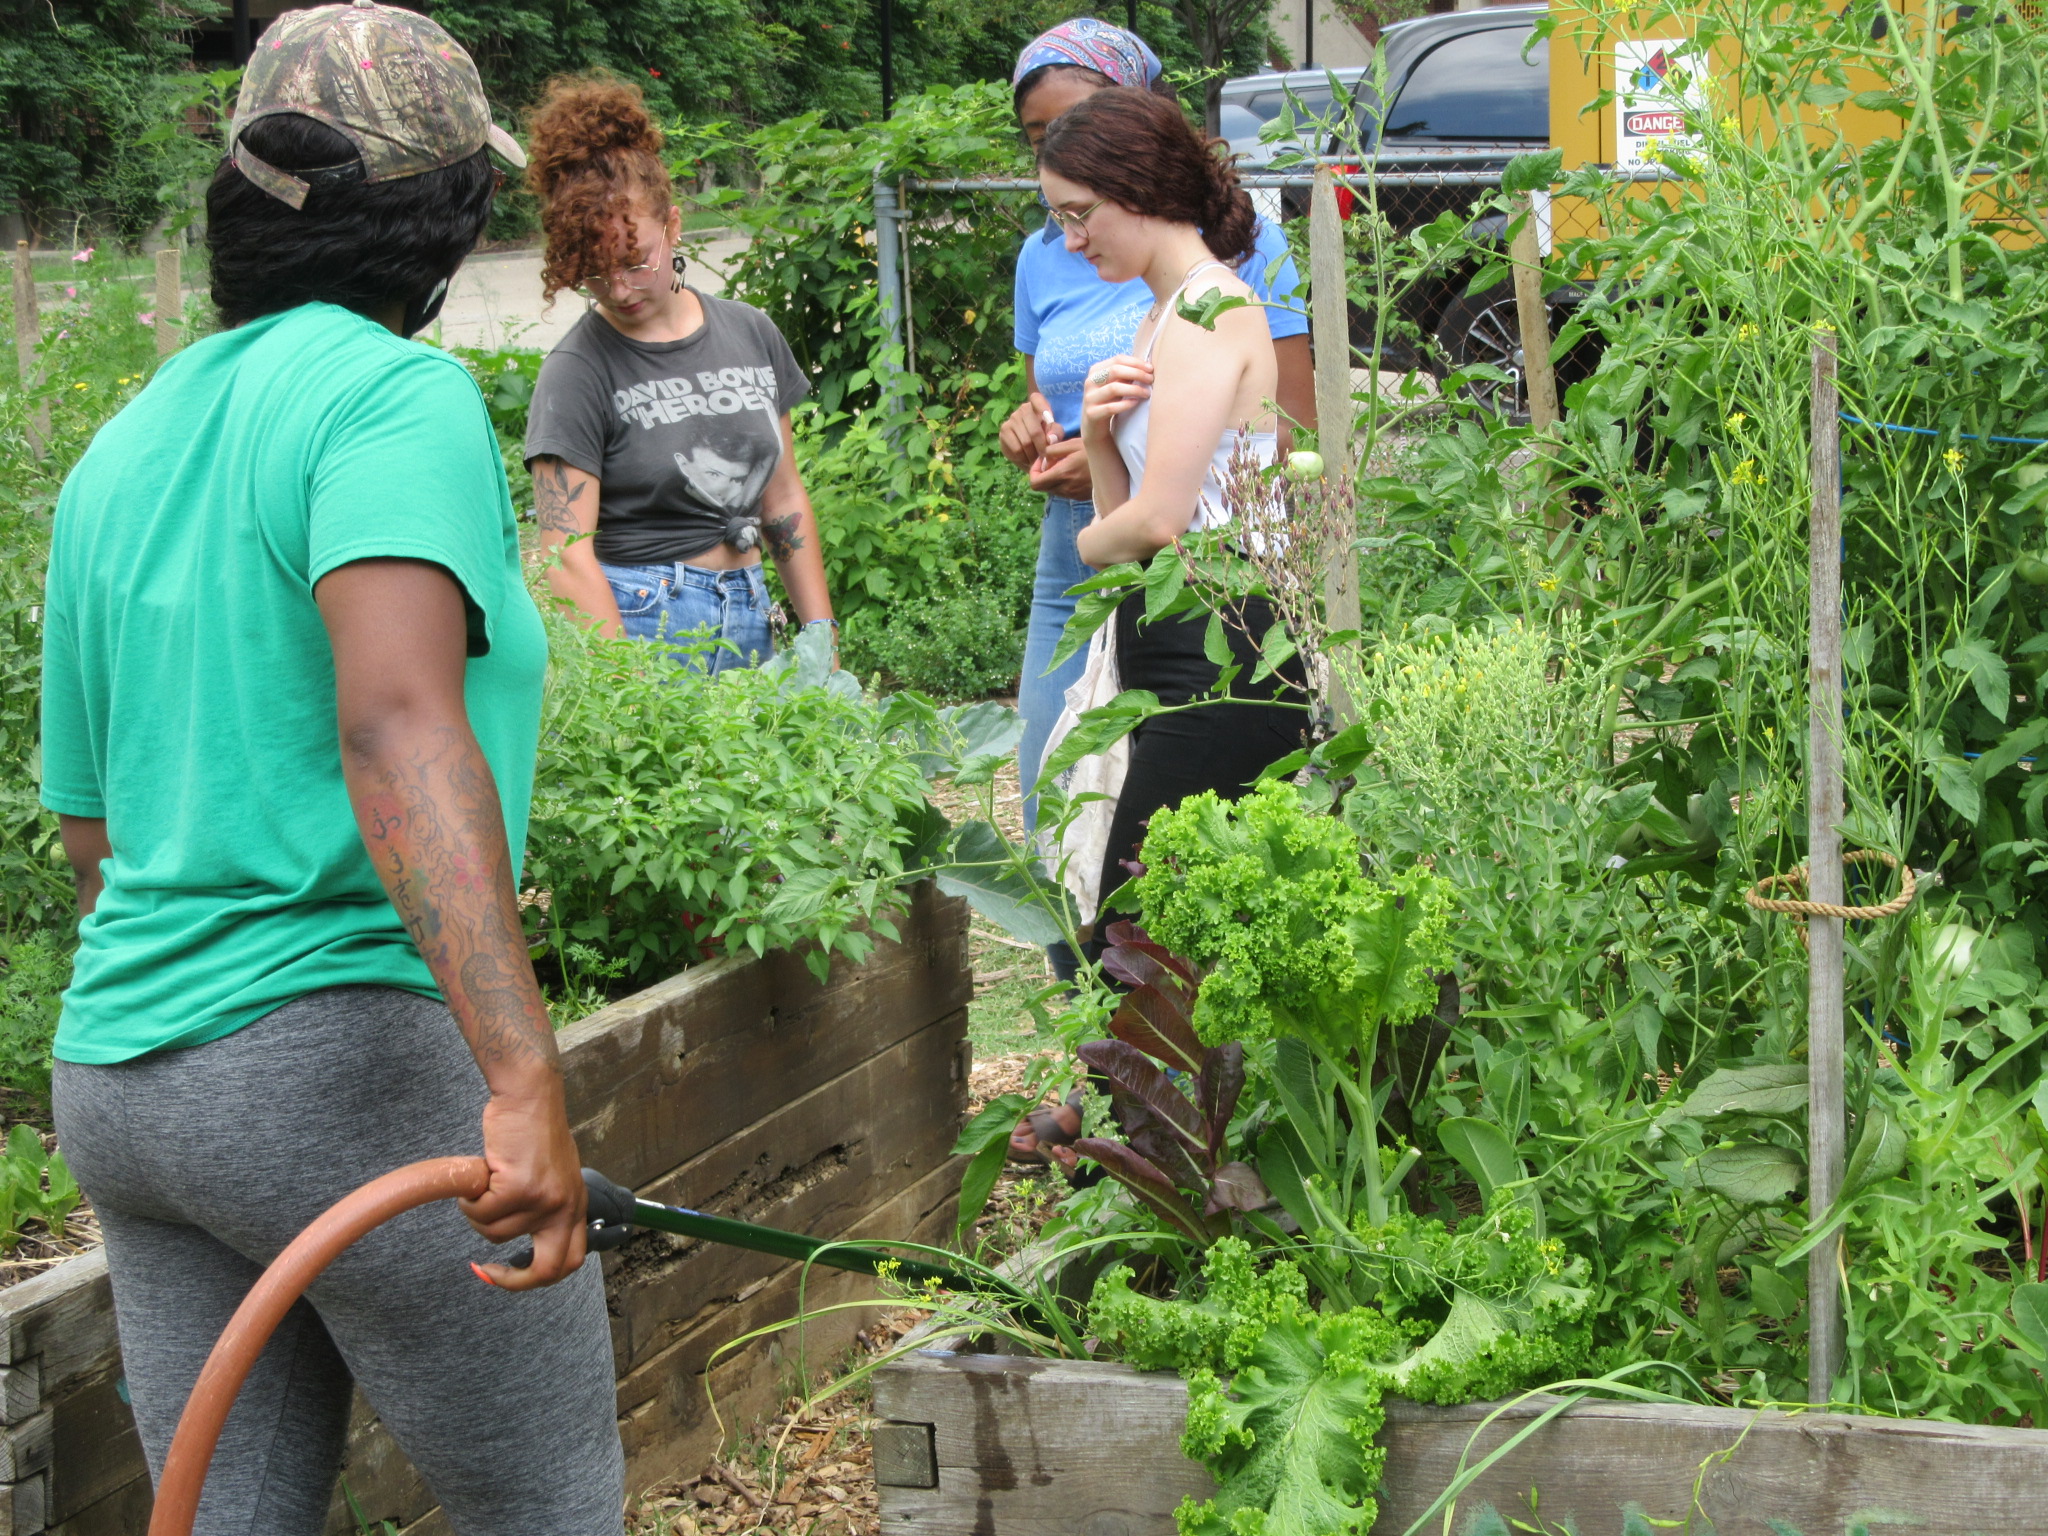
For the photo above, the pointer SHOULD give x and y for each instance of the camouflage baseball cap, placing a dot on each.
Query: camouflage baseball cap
(389, 80)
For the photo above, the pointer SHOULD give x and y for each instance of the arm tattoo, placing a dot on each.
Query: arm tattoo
(782, 536)
(554, 499)
(436, 834)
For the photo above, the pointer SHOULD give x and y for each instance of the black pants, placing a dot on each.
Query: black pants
(1224, 746)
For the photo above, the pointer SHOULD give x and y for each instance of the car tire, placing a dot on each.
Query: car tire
(1485, 328)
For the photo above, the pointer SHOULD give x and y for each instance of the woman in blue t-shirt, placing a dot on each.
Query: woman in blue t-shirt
(1069, 319)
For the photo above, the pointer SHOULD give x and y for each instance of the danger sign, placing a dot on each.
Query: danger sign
(1656, 81)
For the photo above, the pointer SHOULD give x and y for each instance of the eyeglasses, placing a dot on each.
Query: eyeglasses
(643, 276)
(1075, 223)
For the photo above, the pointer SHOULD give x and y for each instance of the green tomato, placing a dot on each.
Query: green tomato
(2032, 569)
(1951, 956)
(1305, 465)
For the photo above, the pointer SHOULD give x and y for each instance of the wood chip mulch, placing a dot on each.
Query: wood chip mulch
(808, 1471)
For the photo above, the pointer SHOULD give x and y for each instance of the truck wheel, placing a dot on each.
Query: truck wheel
(1484, 328)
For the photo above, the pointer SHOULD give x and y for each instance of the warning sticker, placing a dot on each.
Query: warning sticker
(1656, 81)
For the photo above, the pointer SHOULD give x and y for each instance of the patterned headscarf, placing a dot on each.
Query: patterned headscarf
(1092, 44)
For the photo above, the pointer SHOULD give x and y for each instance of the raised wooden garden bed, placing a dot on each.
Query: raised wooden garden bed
(741, 1087)
(993, 1445)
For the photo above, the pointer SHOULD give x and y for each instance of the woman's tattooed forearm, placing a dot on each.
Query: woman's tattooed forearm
(554, 498)
(436, 834)
(782, 536)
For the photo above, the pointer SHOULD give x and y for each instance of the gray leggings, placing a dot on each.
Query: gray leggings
(204, 1163)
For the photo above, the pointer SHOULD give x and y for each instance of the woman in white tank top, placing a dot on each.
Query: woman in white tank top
(1140, 194)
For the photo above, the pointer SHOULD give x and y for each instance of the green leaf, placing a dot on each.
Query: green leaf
(1483, 1150)
(1275, 651)
(1204, 310)
(1533, 171)
(1987, 672)
(1100, 728)
(2012, 746)
(1004, 886)
(1773, 1089)
(1880, 1152)
(1757, 1173)
(984, 1142)
(2030, 1314)
(1956, 782)
(1100, 597)
(1304, 1421)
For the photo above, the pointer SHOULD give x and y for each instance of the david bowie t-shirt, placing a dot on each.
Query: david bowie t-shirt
(681, 435)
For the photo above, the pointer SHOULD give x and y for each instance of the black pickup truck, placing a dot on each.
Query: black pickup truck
(1469, 82)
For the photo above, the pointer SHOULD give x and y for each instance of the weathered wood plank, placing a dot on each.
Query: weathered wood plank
(762, 1031)
(816, 1165)
(23, 1508)
(1039, 1447)
(96, 1450)
(1030, 1446)
(122, 1513)
(25, 1447)
(665, 1413)
(64, 1317)
(21, 1390)
(1815, 1472)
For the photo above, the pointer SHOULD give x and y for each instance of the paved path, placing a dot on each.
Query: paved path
(495, 299)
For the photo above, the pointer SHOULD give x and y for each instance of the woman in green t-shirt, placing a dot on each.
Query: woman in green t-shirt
(292, 686)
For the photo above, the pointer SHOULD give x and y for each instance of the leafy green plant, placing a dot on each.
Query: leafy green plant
(678, 816)
(964, 646)
(34, 971)
(35, 1185)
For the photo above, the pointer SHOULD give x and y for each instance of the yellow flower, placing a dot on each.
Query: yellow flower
(1729, 125)
(1735, 421)
(944, 518)
(1953, 458)
(968, 316)
(81, 386)
(1746, 333)
(1745, 474)
(1548, 584)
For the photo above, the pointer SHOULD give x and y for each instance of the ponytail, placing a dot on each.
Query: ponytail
(593, 160)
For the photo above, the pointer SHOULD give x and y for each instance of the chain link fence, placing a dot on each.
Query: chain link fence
(1420, 226)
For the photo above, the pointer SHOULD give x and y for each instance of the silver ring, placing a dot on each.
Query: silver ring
(1098, 378)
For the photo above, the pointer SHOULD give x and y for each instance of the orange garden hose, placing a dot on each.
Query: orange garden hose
(206, 1411)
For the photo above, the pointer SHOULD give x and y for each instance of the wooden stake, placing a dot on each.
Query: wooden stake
(1825, 1119)
(1335, 417)
(28, 335)
(1539, 378)
(170, 301)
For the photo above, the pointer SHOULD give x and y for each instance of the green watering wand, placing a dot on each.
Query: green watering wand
(615, 1211)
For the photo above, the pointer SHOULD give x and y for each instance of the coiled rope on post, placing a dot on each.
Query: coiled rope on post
(1796, 878)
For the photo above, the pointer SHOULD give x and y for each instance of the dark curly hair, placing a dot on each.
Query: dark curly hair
(362, 245)
(1138, 150)
(593, 159)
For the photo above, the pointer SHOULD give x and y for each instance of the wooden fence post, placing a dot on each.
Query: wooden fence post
(1538, 377)
(170, 301)
(1824, 1109)
(28, 335)
(1330, 325)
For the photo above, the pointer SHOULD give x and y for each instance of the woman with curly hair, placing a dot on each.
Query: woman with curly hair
(660, 423)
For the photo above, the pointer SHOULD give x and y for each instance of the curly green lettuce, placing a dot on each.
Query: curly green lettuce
(1271, 900)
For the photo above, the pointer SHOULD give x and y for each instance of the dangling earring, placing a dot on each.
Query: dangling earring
(676, 260)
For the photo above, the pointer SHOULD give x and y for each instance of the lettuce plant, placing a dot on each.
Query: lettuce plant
(1297, 944)
(1175, 1155)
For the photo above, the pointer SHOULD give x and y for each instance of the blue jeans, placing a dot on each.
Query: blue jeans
(696, 608)
(1040, 697)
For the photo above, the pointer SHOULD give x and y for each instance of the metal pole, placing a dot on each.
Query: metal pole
(1308, 35)
(28, 335)
(888, 58)
(889, 279)
(1824, 1090)
(1330, 335)
(1130, 15)
(170, 300)
(1538, 378)
(244, 40)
